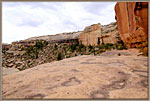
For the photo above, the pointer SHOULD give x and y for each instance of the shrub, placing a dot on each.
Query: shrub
(106, 46)
(93, 51)
(40, 44)
(102, 46)
(81, 46)
(29, 50)
(4, 50)
(32, 52)
(145, 51)
(59, 56)
(73, 47)
(143, 48)
(36, 53)
(104, 50)
(90, 48)
(64, 48)
(55, 47)
(120, 46)
(109, 46)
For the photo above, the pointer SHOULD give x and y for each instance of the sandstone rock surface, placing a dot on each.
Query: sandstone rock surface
(110, 33)
(57, 37)
(86, 77)
(7, 71)
(97, 34)
(91, 34)
(132, 20)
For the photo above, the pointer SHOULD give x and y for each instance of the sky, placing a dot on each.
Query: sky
(22, 20)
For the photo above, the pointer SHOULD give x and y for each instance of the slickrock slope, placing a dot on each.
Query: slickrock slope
(107, 76)
(132, 20)
(7, 71)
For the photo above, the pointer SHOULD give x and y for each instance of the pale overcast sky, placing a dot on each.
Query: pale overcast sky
(21, 20)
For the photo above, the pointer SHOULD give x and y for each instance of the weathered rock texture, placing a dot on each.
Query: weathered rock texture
(108, 76)
(110, 34)
(132, 20)
(91, 34)
(97, 34)
(57, 37)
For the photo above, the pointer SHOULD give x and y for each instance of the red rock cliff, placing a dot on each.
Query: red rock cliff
(132, 20)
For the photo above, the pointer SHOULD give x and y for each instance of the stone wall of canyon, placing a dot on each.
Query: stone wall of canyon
(132, 20)
(97, 34)
(91, 34)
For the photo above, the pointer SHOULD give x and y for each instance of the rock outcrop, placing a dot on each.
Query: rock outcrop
(132, 20)
(5, 46)
(91, 34)
(97, 34)
(110, 33)
(57, 37)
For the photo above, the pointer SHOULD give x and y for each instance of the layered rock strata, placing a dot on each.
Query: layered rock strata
(132, 20)
(97, 34)
(91, 34)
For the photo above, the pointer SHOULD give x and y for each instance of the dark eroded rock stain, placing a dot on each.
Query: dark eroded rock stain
(91, 63)
(141, 73)
(23, 87)
(36, 96)
(135, 70)
(19, 81)
(90, 60)
(144, 83)
(99, 94)
(118, 63)
(74, 70)
(11, 93)
(117, 84)
(72, 81)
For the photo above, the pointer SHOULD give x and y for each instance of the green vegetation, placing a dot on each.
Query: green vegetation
(110, 46)
(4, 50)
(59, 57)
(80, 47)
(40, 44)
(55, 47)
(33, 51)
(90, 48)
(73, 47)
(143, 46)
(41, 52)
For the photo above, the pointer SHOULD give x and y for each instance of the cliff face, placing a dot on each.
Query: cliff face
(98, 34)
(132, 20)
(90, 35)
(110, 33)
